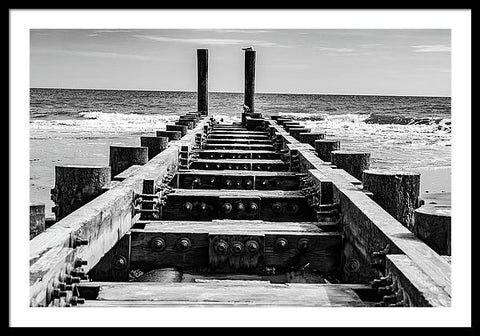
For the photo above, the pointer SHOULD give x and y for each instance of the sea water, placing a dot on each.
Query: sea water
(77, 126)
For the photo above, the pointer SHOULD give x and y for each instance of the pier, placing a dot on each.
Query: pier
(263, 212)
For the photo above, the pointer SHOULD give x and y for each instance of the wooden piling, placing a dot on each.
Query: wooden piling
(295, 131)
(181, 128)
(155, 145)
(76, 186)
(171, 135)
(432, 224)
(202, 69)
(325, 147)
(37, 218)
(395, 191)
(310, 138)
(250, 79)
(122, 157)
(353, 163)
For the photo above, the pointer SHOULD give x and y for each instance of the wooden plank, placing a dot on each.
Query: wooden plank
(102, 222)
(224, 293)
(238, 146)
(232, 135)
(239, 164)
(322, 253)
(237, 154)
(420, 289)
(239, 141)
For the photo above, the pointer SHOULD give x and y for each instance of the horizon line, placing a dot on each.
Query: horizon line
(238, 92)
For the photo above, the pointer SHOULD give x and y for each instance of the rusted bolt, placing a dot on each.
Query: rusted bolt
(203, 206)
(57, 293)
(76, 300)
(238, 183)
(184, 244)
(236, 248)
(221, 156)
(226, 207)
(79, 242)
(80, 274)
(218, 165)
(253, 207)
(72, 279)
(188, 206)
(80, 262)
(265, 183)
(237, 167)
(248, 183)
(196, 181)
(245, 167)
(258, 167)
(221, 247)
(277, 207)
(240, 207)
(64, 287)
(303, 245)
(230, 167)
(268, 167)
(120, 262)
(212, 180)
(281, 245)
(228, 183)
(206, 166)
(252, 247)
(157, 244)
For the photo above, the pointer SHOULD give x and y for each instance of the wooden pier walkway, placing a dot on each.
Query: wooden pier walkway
(243, 214)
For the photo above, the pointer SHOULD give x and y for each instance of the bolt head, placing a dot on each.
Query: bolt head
(227, 207)
(236, 248)
(281, 244)
(188, 206)
(253, 207)
(277, 207)
(120, 262)
(221, 247)
(303, 245)
(240, 207)
(252, 247)
(248, 183)
(184, 244)
(265, 183)
(228, 183)
(158, 244)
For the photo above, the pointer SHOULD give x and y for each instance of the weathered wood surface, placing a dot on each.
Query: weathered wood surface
(370, 228)
(256, 136)
(239, 141)
(181, 128)
(432, 224)
(238, 146)
(155, 145)
(239, 164)
(223, 293)
(249, 96)
(77, 185)
(102, 222)
(202, 81)
(126, 173)
(37, 219)
(420, 289)
(171, 135)
(395, 191)
(238, 154)
(353, 163)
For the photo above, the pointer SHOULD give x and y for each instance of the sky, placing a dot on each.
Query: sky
(315, 61)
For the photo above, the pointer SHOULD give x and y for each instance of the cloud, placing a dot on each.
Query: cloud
(431, 48)
(210, 41)
(98, 54)
(340, 50)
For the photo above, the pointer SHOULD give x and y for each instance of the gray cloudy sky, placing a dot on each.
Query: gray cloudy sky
(350, 61)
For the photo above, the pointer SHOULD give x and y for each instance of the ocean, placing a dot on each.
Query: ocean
(77, 126)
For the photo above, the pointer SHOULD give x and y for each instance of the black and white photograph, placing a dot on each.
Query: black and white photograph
(198, 168)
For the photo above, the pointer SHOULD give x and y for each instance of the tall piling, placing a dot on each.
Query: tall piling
(250, 56)
(75, 186)
(202, 69)
(395, 191)
(324, 148)
(122, 157)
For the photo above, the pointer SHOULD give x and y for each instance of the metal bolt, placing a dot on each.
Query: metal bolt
(240, 207)
(203, 206)
(277, 207)
(239, 183)
(218, 166)
(76, 300)
(79, 262)
(196, 181)
(80, 274)
(184, 244)
(188, 206)
(228, 183)
(236, 248)
(206, 165)
(57, 293)
(265, 182)
(303, 245)
(230, 166)
(226, 207)
(252, 247)
(212, 180)
(72, 279)
(293, 208)
(120, 262)
(253, 207)
(221, 247)
(248, 183)
(281, 244)
(64, 287)
(78, 242)
(245, 167)
(157, 244)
